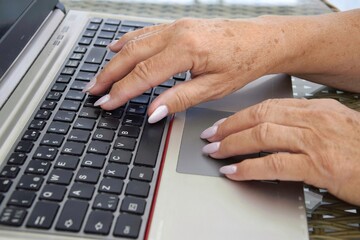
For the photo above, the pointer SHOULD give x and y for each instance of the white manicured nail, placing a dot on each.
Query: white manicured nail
(112, 44)
(211, 148)
(219, 121)
(209, 132)
(159, 113)
(89, 85)
(230, 169)
(102, 100)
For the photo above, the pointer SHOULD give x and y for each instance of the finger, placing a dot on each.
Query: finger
(182, 96)
(117, 45)
(267, 137)
(288, 112)
(145, 75)
(277, 166)
(124, 62)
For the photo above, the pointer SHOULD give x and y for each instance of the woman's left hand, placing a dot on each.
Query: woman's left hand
(315, 141)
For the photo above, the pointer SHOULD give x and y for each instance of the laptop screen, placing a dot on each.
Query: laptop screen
(19, 20)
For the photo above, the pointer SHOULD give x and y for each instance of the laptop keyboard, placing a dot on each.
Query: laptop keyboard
(78, 170)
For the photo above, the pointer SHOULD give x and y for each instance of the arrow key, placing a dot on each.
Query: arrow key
(99, 222)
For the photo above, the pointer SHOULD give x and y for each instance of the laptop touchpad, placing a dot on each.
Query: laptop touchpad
(191, 159)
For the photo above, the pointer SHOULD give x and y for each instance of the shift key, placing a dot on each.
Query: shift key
(96, 55)
(72, 216)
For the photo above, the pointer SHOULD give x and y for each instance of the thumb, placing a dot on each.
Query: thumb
(185, 95)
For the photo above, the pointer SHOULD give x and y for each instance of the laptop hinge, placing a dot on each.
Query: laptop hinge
(25, 59)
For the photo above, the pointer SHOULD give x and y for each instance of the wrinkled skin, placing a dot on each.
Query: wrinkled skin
(315, 141)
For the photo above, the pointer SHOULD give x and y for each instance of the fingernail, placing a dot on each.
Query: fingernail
(89, 85)
(110, 45)
(230, 169)
(211, 148)
(209, 132)
(219, 122)
(102, 100)
(159, 113)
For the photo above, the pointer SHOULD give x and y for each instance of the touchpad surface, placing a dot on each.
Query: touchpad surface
(191, 159)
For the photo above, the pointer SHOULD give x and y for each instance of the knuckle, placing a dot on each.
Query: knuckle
(261, 110)
(261, 132)
(275, 163)
(129, 48)
(142, 70)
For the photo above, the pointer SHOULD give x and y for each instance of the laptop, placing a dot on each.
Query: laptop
(69, 170)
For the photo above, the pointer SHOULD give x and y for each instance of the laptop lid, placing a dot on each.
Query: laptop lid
(19, 21)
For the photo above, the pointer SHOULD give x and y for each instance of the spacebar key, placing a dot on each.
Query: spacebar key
(72, 216)
(150, 144)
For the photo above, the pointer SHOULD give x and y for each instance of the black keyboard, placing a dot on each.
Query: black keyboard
(78, 170)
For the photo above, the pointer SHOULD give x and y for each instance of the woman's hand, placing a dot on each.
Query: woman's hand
(315, 141)
(222, 55)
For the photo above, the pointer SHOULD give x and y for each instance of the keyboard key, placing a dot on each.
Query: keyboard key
(142, 99)
(59, 87)
(38, 167)
(90, 112)
(54, 140)
(45, 153)
(73, 148)
(80, 49)
(67, 162)
(93, 161)
(43, 114)
(30, 182)
(88, 175)
(120, 156)
(96, 55)
(76, 56)
(100, 42)
(169, 83)
(137, 24)
(84, 123)
(147, 156)
(5, 184)
(82, 191)
(79, 136)
(59, 128)
(109, 123)
(48, 105)
(85, 41)
(87, 67)
(17, 158)
(98, 147)
(59, 176)
(129, 131)
(89, 33)
(93, 26)
(53, 193)
(133, 205)
(37, 124)
(68, 71)
(31, 135)
(136, 109)
(133, 120)
(63, 78)
(137, 188)
(72, 216)
(85, 76)
(22, 199)
(104, 135)
(142, 173)
(54, 96)
(43, 215)
(110, 185)
(99, 222)
(10, 171)
(116, 170)
(106, 202)
(75, 95)
(106, 35)
(78, 85)
(24, 147)
(127, 226)
(13, 216)
(125, 143)
(69, 105)
(109, 28)
(72, 64)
